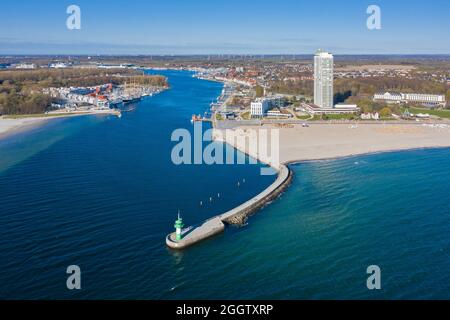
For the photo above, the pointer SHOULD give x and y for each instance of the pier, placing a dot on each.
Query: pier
(236, 216)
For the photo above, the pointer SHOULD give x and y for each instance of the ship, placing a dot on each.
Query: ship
(131, 94)
(131, 99)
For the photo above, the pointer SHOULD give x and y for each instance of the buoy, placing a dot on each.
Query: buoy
(218, 195)
(210, 199)
(201, 203)
(239, 184)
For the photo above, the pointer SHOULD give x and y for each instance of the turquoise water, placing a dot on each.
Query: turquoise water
(102, 193)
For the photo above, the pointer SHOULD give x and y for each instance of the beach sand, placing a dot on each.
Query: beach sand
(326, 141)
(10, 126)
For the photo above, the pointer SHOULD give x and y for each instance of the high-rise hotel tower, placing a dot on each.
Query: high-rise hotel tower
(323, 79)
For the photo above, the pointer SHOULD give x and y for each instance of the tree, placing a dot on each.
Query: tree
(366, 109)
(385, 112)
(448, 96)
(259, 91)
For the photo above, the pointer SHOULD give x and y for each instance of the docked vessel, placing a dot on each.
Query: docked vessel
(130, 99)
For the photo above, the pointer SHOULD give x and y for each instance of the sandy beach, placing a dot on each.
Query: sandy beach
(11, 125)
(326, 141)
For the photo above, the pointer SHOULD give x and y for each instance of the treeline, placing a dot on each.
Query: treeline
(145, 80)
(369, 86)
(76, 77)
(21, 90)
(14, 103)
(303, 87)
(361, 91)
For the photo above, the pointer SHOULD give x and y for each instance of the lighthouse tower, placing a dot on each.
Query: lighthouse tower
(178, 227)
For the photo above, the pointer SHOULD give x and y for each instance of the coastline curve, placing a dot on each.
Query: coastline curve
(236, 216)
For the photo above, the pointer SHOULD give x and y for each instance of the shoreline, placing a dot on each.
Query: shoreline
(332, 141)
(238, 215)
(241, 213)
(298, 162)
(10, 126)
(16, 127)
(22, 123)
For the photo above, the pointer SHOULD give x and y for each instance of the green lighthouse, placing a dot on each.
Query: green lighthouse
(178, 227)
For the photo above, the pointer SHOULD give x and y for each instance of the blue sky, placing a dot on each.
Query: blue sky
(226, 26)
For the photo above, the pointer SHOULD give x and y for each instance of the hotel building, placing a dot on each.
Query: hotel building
(432, 100)
(323, 79)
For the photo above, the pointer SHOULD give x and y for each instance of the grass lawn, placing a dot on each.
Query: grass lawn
(438, 113)
(246, 115)
(344, 116)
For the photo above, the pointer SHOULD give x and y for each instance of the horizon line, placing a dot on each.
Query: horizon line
(209, 54)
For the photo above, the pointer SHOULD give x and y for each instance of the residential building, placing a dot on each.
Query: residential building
(259, 107)
(323, 79)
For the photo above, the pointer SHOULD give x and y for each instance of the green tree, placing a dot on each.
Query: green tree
(259, 91)
(447, 96)
(385, 112)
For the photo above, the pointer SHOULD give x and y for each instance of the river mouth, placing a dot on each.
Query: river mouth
(102, 193)
(105, 195)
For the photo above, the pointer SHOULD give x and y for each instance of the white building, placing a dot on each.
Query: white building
(337, 109)
(388, 97)
(370, 116)
(259, 107)
(58, 65)
(278, 114)
(346, 107)
(396, 97)
(25, 66)
(323, 79)
(422, 116)
(424, 98)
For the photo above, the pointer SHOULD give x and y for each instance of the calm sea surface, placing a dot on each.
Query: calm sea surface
(102, 193)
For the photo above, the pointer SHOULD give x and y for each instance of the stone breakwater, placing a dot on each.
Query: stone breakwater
(236, 216)
(239, 215)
